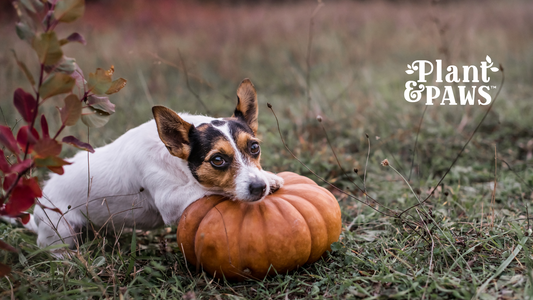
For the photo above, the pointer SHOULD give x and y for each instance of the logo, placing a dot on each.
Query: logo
(476, 77)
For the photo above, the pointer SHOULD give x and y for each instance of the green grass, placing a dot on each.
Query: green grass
(466, 235)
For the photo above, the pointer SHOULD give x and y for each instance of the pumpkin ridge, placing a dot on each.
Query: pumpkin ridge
(314, 231)
(265, 229)
(324, 198)
(242, 261)
(281, 201)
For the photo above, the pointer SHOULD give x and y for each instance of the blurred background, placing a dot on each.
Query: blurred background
(342, 60)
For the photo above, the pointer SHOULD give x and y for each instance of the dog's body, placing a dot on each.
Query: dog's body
(148, 176)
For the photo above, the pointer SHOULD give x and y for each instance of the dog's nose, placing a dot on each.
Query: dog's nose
(257, 189)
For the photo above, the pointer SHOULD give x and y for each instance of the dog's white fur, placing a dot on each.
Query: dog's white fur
(134, 182)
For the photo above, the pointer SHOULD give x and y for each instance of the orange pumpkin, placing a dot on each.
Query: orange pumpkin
(237, 240)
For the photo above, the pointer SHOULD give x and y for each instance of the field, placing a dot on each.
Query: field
(344, 61)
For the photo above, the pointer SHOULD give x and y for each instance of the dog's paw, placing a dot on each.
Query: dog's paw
(275, 182)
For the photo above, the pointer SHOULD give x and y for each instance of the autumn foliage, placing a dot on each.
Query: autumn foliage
(85, 98)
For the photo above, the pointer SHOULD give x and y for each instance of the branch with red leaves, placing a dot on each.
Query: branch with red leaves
(84, 99)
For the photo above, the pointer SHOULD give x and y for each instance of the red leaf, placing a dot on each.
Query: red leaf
(4, 270)
(76, 37)
(47, 147)
(9, 180)
(25, 104)
(7, 247)
(21, 166)
(57, 170)
(71, 112)
(24, 218)
(32, 184)
(8, 140)
(44, 127)
(101, 103)
(4, 166)
(53, 163)
(72, 140)
(57, 210)
(24, 139)
(21, 199)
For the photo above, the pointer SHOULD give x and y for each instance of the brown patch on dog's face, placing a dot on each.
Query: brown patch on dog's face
(249, 147)
(212, 160)
(218, 170)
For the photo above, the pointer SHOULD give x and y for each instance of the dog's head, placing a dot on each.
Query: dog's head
(223, 155)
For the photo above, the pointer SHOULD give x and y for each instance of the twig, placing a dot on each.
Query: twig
(366, 164)
(37, 96)
(431, 257)
(335, 155)
(171, 64)
(12, 291)
(527, 215)
(416, 142)
(185, 259)
(493, 199)
(189, 86)
(5, 120)
(518, 176)
(145, 87)
(308, 55)
(88, 181)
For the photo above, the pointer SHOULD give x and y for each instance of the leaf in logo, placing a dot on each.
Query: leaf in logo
(408, 66)
(488, 59)
(494, 69)
(409, 72)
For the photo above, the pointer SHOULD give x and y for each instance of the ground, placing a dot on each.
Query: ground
(345, 62)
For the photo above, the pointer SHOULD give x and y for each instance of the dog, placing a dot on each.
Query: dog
(148, 176)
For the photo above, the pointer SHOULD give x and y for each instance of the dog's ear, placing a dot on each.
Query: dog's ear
(173, 131)
(247, 108)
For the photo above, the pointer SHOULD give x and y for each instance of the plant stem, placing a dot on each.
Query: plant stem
(36, 109)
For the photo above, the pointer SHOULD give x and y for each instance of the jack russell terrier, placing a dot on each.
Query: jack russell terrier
(148, 176)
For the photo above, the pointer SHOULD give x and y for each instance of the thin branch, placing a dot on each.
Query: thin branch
(518, 176)
(336, 158)
(189, 86)
(36, 112)
(416, 142)
(308, 55)
(366, 163)
(431, 258)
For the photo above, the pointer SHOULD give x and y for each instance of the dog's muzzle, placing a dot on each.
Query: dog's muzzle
(257, 190)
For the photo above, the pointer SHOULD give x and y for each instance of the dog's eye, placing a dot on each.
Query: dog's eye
(254, 148)
(218, 161)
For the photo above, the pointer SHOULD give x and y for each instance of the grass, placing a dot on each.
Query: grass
(471, 239)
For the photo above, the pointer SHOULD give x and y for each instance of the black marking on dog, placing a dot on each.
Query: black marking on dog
(237, 125)
(218, 122)
(201, 141)
(251, 107)
(238, 114)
